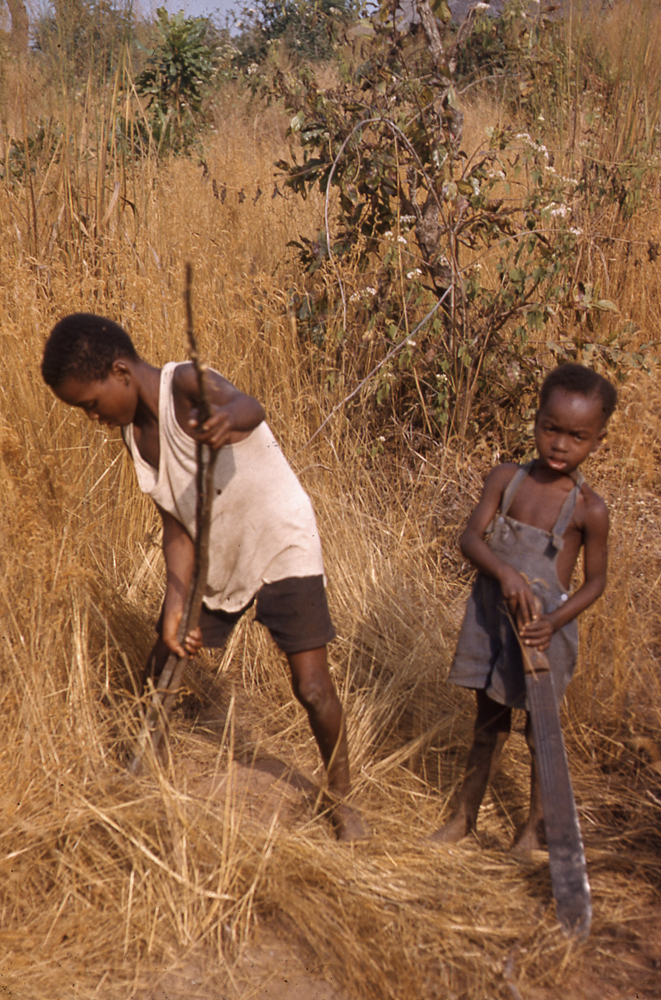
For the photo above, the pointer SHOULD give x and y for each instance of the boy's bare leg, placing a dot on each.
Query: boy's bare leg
(313, 687)
(492, 727)
(531, 837)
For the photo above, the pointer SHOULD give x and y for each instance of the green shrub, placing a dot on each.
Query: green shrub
(178, 72)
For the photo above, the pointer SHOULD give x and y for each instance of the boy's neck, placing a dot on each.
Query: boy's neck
(147, 381)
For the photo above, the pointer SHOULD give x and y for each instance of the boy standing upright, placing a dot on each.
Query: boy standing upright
(264, 546)
(524, 537)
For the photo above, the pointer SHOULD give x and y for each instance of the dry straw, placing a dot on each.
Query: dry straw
(108, 882)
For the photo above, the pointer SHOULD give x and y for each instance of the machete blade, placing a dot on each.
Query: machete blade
(569, 876)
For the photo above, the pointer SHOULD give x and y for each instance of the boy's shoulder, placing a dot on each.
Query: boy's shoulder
(184, 378)
(594, 506)
(185, 385)
(501, 475)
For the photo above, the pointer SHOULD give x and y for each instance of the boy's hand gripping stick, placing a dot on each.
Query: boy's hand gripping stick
(569, 876)
(169, 682)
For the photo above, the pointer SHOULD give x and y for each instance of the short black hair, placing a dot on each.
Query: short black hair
(84, 346)
(584, 381)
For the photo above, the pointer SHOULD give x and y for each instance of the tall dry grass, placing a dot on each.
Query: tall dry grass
(108, 882)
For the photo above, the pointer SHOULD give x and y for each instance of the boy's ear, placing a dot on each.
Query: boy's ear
(600, 440)
(120, 369)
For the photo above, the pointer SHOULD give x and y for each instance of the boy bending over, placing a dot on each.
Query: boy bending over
(524, 537)
(264, 545)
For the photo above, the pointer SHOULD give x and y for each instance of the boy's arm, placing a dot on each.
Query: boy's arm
(514, 586)
(233, 413)
(595, 563)
(179, 552)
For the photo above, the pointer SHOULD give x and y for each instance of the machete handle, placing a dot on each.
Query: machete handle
(534, 661)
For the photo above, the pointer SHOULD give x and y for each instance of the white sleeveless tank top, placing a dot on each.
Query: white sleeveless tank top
(263, 527)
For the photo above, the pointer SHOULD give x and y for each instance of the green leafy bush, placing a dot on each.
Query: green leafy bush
(446, 280)
(307, 28)
(175, 79)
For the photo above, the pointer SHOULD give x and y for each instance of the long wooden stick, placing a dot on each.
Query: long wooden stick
(169, 682)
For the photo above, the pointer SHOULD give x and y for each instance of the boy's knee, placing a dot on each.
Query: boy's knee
(492, 737)
(492, 718)
(315, 692)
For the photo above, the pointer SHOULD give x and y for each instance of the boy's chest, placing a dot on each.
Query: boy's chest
(147, 442)
(539, 504)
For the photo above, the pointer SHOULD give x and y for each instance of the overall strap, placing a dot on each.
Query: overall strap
(513, 486)
(565, 515)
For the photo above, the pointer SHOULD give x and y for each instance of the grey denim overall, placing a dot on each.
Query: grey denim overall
(488, 656)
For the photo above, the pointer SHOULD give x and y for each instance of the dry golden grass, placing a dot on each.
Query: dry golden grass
(108, 882)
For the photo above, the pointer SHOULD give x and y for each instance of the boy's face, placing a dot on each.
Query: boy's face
(568, 429)
(111, 401)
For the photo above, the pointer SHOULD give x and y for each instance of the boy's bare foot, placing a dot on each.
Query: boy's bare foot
(453, 831)
(348, 823)
(531, 838)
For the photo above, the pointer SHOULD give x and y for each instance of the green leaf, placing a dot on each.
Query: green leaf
(605, 305)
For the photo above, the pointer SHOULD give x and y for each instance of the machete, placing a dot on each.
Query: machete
(569, 876)
(169, 682)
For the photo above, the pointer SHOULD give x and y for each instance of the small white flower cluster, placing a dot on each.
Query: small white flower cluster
(367, 292)
(252, 69)
(476, 266)
(558, 211)
(407, 219)
(414, 273)
(538, 147)
(481, 6)
(498, 175)
(576, 232)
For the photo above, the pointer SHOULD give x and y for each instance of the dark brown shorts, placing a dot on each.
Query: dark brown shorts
(294, 610)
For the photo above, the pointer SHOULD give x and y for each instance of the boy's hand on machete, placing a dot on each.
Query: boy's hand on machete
(518, 595)
(538, 633)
